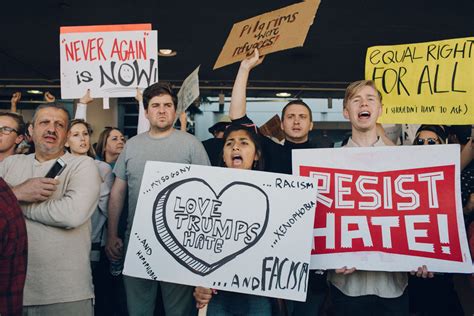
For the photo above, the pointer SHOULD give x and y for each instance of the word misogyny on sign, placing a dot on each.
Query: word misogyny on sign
(406, 212)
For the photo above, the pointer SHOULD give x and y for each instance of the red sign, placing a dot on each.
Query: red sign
(408, 212)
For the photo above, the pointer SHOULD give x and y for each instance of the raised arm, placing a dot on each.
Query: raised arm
(238, 103)
(81, 109)
(14, 101)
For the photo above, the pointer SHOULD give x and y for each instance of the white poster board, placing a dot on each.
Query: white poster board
(188, 92)
(110, 60)
(228, 229)
(387, 208)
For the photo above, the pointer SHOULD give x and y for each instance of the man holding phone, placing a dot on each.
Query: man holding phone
(57, 213)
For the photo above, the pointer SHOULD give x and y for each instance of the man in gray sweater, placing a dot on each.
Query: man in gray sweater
(57, 212)
(160, 143)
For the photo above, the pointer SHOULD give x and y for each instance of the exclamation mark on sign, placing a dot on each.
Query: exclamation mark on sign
(443, 232)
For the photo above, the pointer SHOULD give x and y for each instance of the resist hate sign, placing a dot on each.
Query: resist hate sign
(221, 228)
(270, 32)
(425, 83)
(110, 60)
(387, 208)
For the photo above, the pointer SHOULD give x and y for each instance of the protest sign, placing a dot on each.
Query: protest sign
(110, 60)
(229, 229)
(189, 91)
(270, 32)
(425, 83)
(272, 128)
(387, 208)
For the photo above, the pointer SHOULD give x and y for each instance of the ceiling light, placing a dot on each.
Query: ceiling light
(34, 92)
(283, 94)
(166, 52)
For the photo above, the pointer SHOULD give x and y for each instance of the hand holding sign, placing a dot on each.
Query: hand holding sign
(86, 98)
(253, 61)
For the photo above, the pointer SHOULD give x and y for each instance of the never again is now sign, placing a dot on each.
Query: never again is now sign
(110, 60)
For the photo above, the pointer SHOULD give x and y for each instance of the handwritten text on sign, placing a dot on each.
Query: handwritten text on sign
(410, 212)
(270, 32)
(110, 60)
(192, 226)
(425, 83)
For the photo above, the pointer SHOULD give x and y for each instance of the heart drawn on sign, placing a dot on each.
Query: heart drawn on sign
(203, 230)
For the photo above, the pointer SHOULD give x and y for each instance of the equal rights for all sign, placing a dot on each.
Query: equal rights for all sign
(425, 83)
(110, 60)
(387, 208)
(228, 229)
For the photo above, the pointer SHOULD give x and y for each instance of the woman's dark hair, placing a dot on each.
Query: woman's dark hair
(102, 142)
(439, 130)
(254, 137)
(90, 151)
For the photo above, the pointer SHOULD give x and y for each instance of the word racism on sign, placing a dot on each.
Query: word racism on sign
(193, 227)
(270, 32)
(110, 60)
(425, 83)
(410, 212)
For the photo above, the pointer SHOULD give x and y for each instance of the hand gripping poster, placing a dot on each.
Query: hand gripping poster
(234, 230)
(387, 208)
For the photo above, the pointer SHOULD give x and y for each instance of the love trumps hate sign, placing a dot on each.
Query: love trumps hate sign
(223, 228)
(110, 60)
(270, 32)
(387, 208)
(425, 83)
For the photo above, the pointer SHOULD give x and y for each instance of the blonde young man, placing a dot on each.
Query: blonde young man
(368, 292)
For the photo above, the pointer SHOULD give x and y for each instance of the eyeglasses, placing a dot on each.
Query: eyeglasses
(427, 141)
(5, 130)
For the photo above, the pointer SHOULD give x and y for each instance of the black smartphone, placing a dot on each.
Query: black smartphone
(56, 169)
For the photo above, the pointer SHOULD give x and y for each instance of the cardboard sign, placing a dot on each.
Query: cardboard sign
(221, 228)
(425, 83)
(270, 32)
(272, 128)
(189, 91)
(387, 208)
(110, 60)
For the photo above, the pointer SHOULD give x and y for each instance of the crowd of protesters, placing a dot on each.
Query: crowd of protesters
(63, 239)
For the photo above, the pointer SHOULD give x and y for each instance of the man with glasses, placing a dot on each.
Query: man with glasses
(12, 129)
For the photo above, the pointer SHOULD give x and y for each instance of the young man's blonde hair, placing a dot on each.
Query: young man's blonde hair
(354, 87)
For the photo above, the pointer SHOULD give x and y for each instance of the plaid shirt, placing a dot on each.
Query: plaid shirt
(13, 253)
